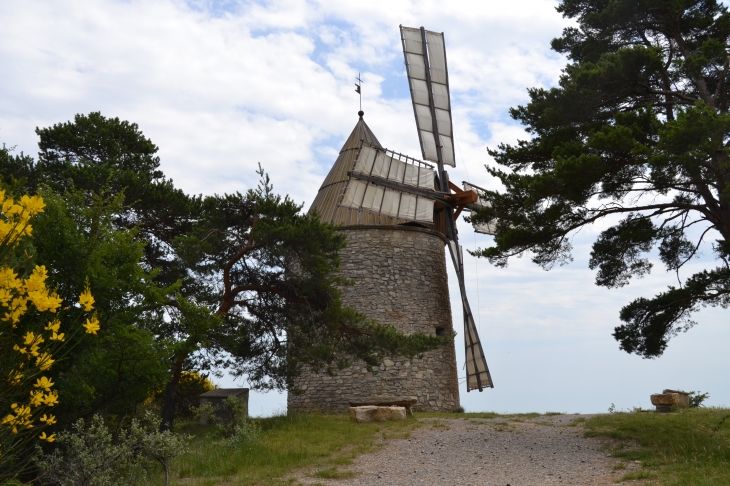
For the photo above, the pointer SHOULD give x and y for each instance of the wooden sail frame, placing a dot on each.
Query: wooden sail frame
(488, 228)
(477, 370)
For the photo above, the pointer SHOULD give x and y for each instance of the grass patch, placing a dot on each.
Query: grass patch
(438, 424)
(502, 426)
(636, 475)
(690, 447)
(334, 473)
(577, 421)
(542, 422)
(287, 443)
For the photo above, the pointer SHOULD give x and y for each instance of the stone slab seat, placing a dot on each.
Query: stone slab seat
(372, 413)
(406, 402)
(670, 400)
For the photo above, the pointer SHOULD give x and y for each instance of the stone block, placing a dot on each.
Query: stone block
(669, 399)
(372, 413)
(683, 398)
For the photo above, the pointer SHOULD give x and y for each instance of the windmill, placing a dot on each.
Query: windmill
(398, 213)
(388, 183)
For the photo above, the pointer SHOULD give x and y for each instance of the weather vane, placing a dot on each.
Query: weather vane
(357, 89)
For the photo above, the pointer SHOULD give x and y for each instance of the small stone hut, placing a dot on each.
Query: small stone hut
(399, 270)
(217, 398)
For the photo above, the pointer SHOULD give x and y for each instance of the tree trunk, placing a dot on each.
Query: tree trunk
(168, 409)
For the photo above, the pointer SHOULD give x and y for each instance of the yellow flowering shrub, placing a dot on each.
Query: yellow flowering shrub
(31, 338)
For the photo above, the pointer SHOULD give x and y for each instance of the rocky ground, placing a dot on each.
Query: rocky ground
(547, 450)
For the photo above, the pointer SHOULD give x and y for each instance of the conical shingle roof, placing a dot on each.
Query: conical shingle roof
(330, 193)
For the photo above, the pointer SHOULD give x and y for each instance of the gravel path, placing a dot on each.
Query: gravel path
(487, 452)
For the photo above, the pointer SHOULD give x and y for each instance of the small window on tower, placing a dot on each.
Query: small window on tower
(441, 331)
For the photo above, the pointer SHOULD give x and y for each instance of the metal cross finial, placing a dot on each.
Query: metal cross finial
(357, 89)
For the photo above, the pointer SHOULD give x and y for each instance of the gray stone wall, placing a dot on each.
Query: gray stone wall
(400, 279)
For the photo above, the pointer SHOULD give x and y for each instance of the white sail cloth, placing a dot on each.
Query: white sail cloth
(418, 80)
(477, 371)
(375, 198)
(378, 163)
(388, 202)
(484, 228)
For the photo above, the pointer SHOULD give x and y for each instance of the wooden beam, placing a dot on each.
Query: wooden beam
(445, 199)
(458, 212)
(455, 188)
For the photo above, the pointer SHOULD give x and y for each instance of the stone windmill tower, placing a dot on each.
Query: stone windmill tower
(398, 215)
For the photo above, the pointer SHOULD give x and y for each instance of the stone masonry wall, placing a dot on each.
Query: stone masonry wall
(400, 279)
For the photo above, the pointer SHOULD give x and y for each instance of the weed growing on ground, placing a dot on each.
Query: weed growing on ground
(691, 446)
(438, 424)
(286, 443)
(334, 473)
(576, 422)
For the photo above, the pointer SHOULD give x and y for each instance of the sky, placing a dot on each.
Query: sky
(221, 86)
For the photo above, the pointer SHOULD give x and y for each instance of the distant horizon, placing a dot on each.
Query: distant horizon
(220, 86)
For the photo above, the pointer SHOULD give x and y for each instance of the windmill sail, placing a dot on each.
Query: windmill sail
(484, 228)
(477, 371)
(384, 163)
(425, 57)
(369, 189)
(388, 202)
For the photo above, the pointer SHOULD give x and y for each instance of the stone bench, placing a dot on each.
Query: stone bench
(406, 402)
(670, 400)
(373, 413)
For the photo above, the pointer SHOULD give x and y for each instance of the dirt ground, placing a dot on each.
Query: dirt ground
(547, 450)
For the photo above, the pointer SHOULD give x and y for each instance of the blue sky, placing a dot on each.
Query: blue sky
(221, 86)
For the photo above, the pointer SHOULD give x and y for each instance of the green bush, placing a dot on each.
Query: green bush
(232, 433)
(92, 456)
(696, 399)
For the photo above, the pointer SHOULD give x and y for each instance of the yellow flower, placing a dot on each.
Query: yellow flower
(32, 339)
(86, 300)
(18, 308)
(51, 398)
(50, 420)
(36, 398)
(44, 383)
(13, 209)
(20, 350)
(5, 296)
(44, 361)
(50, 438)
(8, 205)
(15, 377)
(5, 229)
(45, 301)
(57, 337)
(22, 417)
(92, 325)
(33, 204)
(37, 279)
(8, 280)
(54, 325)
